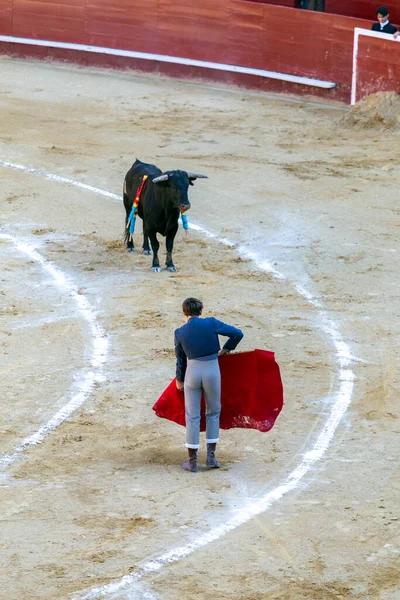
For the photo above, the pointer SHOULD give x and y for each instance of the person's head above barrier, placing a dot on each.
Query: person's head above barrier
(192, 307)
(383, 25)
(382, 14)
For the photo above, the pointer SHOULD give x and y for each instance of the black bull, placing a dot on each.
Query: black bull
(163, 198)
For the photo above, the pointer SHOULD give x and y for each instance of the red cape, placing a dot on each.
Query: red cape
(251, 393)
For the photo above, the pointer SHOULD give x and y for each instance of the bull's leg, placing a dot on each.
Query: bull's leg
(146, 246)
(155, 246)
(170, 245)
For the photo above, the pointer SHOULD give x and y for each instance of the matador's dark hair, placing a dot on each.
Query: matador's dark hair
(192, 307)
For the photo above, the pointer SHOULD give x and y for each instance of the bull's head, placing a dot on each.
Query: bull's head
(177, 183)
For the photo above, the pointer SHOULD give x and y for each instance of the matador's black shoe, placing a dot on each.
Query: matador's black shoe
(211, 460)
(191, 464)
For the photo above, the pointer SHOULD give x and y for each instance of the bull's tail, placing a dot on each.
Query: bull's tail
(127, 235)
(132, 213)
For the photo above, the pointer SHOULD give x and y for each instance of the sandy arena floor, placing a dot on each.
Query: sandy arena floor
(103, 493)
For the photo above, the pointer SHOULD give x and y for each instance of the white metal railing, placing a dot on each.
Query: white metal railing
(172, 59)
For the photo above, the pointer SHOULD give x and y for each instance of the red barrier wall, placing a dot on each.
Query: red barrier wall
(6, 7)
(236, 32)
(290, 3)
(359, 9)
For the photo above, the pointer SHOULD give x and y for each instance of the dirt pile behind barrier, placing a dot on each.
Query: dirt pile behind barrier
(378, 110)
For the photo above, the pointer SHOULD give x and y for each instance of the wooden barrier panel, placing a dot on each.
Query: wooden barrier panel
(246, 34)
(123, 24)
(313, 44)
(56, 15)
(195, 29)
(378, 66)
(6, 16)
(289, 3)
(56, 19)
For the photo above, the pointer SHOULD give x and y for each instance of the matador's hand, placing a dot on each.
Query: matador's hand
(223, 351)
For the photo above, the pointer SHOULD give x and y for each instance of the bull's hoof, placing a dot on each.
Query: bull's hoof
(156, 269)
(146, 252)
(171, 268)
(131, 249)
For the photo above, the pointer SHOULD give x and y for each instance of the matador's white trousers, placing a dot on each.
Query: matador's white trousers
(202, 375)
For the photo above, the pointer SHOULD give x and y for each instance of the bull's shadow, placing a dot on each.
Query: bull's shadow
(158, 198)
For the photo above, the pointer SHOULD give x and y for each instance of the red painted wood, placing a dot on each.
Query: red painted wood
(246, 34)
(48, 22)
(46, 33)
(315, 45)
(289, 3)
(378, 66)
(47, 8)
(194, 29)
(121, 35)
(123, 24)
(6, 22)
(6, 16)
(22, 51)
(40, 15)
(139, 13)
(67, 5)
(6, 5)
(238, 32)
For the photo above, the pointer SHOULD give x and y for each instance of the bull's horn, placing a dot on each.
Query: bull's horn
(160, 178)
(197, 176)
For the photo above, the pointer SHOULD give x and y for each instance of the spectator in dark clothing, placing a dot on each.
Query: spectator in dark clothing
(383, 25)
(317, 5)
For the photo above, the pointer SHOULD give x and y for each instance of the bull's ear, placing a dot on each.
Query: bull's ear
(191, 182)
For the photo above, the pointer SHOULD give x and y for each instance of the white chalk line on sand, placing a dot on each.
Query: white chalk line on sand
(99, 352)
(256, 507)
